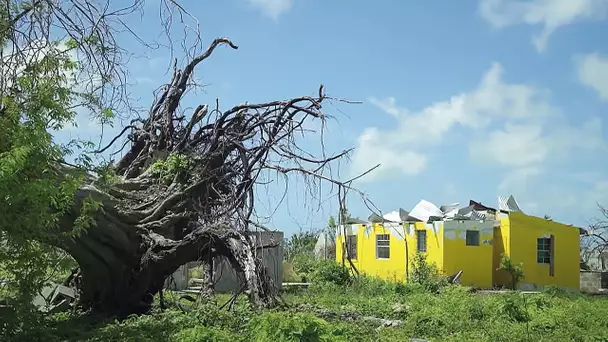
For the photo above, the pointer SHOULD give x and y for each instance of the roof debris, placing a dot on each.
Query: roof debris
(508, 204)
(426, 211)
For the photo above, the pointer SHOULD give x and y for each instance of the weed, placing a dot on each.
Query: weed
(274, 326)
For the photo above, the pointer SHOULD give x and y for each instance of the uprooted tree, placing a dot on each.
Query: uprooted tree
(183, 191)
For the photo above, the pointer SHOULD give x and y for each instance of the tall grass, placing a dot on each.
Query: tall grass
(336, 308)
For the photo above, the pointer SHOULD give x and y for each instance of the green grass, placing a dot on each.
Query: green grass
(452, 314)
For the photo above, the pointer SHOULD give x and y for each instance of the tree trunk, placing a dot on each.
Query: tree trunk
(123, 266)
(208, 289)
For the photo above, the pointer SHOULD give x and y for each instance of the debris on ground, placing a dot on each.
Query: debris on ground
(55, 298)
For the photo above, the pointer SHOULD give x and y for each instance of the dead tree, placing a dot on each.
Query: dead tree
(184, 190)
(594, 243)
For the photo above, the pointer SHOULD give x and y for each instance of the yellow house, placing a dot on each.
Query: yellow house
(549, 251)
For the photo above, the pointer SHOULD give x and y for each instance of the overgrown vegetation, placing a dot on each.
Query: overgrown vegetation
(426, 274)
(341, 307)
(338, 307)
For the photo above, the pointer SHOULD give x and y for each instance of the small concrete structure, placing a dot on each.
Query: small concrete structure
(225, 278)
(594, 282)
(178, 281)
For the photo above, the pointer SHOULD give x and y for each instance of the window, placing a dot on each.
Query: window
(421, 240)
(543, 251)
(472, 238)
(383, 248)
(351, 246)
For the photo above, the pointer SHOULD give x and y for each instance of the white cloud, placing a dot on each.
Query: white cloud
(593, 72)
(402, 149)
(583, 199)
(514, 146)
(550, 14)
(516, 180)
(272, 8)
(373, 149)
(527, 132)
(524, 150)
(529, 146)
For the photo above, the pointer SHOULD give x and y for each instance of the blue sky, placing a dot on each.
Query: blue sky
(461, 99)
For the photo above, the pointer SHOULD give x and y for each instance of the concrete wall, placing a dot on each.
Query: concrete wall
(592, 281)
(474, 261)
(226, 279)
(179, 280)
(446, 248)
(394, 267)
(524, 232)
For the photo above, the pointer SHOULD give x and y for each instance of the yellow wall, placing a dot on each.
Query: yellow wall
(434, 243)
(524, 232)
(394, 268)
(501, 246)
(446, 248)
(474, 261)
(356, 229)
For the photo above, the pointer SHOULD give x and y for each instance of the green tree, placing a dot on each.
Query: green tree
(332, 223)
(39, 93)
(300, 243)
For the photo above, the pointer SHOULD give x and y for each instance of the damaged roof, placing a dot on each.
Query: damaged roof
(425, 211)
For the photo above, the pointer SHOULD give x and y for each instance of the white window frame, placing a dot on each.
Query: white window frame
(383, 242)
(543, 251)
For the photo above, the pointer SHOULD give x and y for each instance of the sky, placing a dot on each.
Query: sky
(459, 100)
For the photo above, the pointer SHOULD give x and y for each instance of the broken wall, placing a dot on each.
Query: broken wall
(475, 261)
(593, 282)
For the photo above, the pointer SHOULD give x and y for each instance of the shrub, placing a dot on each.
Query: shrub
(408, 288)
(514, 307)
(516, 271)
(274, 326)
(327, 271)
(373, 285)
(555, 291)
(303, 264)
(426, 274)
